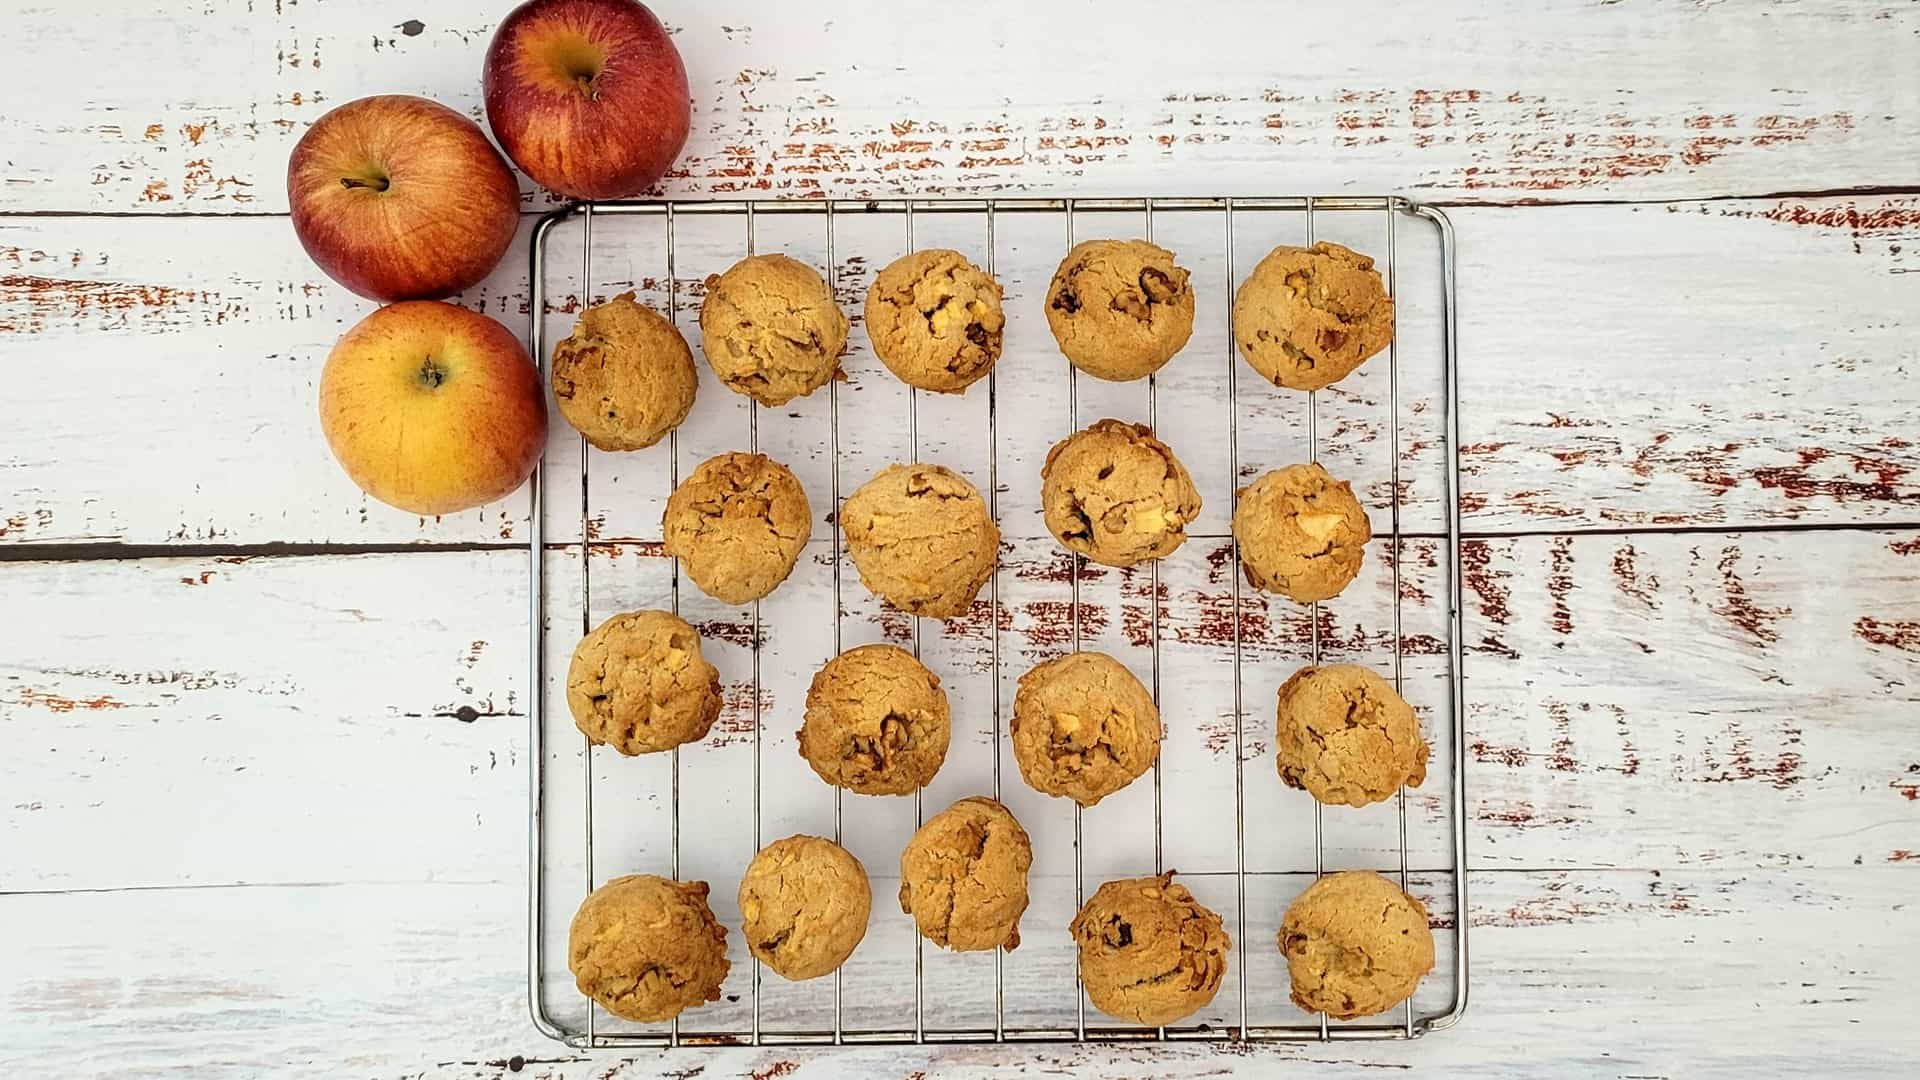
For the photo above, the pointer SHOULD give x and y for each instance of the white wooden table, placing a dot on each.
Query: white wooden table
(263, 791)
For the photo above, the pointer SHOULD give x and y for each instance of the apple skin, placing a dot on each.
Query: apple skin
(588, 97)
(432, 408)
(401, 198)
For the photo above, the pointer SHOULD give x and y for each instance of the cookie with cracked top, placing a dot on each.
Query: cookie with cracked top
(935, 320)
(963, 877)
(1117, 495)
(737, 524)
(1307, 317)
(1301, 533)
(1150, 952)
(639, 684)
(771, 330)
(1355, 945)
(1120, 309)
(804, 904)
(876, 722)
(1083, 727)
(647, 948)
(1344, 736)
(922, 539)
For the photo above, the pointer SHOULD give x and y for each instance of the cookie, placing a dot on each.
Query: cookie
(771, 330)
(647, 948)
(876, 722)
(963, 877)
(1302, 534)
(1306, 317)
(1117, 495)
(935, 320)
(1345, 737)
(737, 524)
(922, 539)
(638, 683)
(804, 903)
(1083, 727)
(1355, 945)
(1120, 309)
(1149, 952)
(624, 378)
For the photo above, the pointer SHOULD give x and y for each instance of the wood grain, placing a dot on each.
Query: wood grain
(1665, 101)
(1586, 403)
(1651, 702)
(426, 977)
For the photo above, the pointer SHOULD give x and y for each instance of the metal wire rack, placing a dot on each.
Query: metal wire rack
(666, 217)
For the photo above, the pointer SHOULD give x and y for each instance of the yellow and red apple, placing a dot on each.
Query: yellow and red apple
(433, 408)
(401, 198)
(588, 97)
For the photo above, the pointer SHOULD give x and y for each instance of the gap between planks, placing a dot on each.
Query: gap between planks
(532, 211)
(117, 552)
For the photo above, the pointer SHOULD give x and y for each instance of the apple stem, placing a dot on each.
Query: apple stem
(378, 183)
(432, 374)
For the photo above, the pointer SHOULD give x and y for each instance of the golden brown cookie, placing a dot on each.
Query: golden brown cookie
(804, 904)
(1149, 952)
(771, 329)
(935, 320)
(1306, 317)
(737, 524)
(922, 539)
(963, 877)
(639, 684)
(1120, 309)
(1345, 737)
(624, 377)
(1083, 727)
(1302, 534)
(1116, 494)
(876, 722)
(647, 948)
(1355, 945)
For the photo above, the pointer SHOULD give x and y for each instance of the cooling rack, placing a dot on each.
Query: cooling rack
(881, 1002)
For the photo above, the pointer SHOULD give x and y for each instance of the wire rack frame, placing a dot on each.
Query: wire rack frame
(1410, 1025)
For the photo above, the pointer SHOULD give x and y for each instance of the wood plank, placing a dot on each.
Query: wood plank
(1666, 102)
(1613, 973)
(276, 720)
(229, 316)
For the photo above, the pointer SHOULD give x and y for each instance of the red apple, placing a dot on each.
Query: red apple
(400, 198)
(587, 96)
(433, 408)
